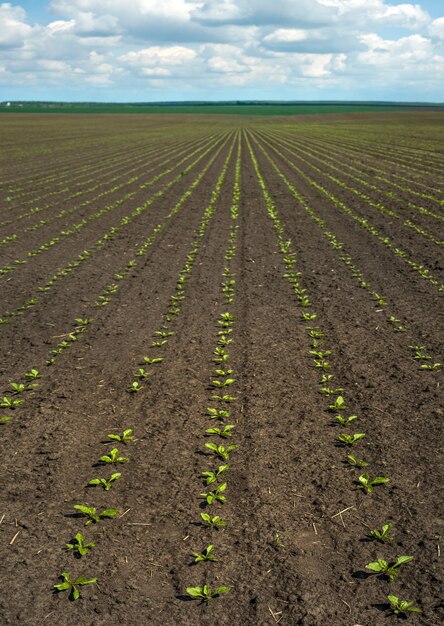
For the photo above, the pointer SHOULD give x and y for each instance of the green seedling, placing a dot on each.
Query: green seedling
(224, 372)
(224, 398)
(308, 316)
(211, 477)
(322, 364)
(398, 606)
(113, 457)
(125, 437)
(223, 383)
(224, 340)
(4, 419)
(163, 333)
(354, 461)
(214, 521)
(135, 387)
(277, 540)
(141, 373)
(367, 484)
(225, 432)
(350, 440)
(427, 366)
(205, 593)
(73, 584)
(221, 451)
(338, 405)
(84, 321)
(78, 545)
(388, 569)
(159, 344)
(325, 378)
(315, 334)
(221, 355)
(217, 413)
(383, 535)
(152, 361)
(105, 483)
(318, 354)
(328, 391)
(92, 515)
(205, 555)
(10, 403)
(213, 496)
(33, 374)
(18, 387)
(346, 422)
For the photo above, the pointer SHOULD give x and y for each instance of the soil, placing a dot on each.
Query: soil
(297, 541)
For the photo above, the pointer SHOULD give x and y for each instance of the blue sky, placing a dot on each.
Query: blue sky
(151, 50)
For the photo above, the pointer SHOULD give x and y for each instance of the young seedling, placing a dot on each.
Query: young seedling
(430, 366)
(308, 316)
(321, 364)
(72, 585)
(105, 483)
(367, 484)
(350, 440)
(10, 403)
(213, 521)
(33, 374)
(159, 344)
(320, 355)
(85, 321)
(328, 391)
(398, 606)
(135, 387)
(338, 405)
(157, 359)
(125, 437)
(163, 333)
(223, 383)
(211, 477)
(78, 545)
(215, 496)
(217, 413)
(383, 535)
(205, 555)
(325, 378)
(221, 451)
(388, 569)
(346, 422)
(18, 387)
(224, 372)
(224, 398)
(92, 515)
(113, 457)
(205, 593)
(142, 374)
(419, 353)
(225, 432)
(222, 355)
(354, 461)
(4, 419)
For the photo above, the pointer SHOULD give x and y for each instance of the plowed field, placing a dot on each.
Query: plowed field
(268, 284)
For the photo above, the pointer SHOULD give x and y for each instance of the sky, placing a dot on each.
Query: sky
(175, 50)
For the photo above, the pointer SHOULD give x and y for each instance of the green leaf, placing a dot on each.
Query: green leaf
(220, 590)
(403, 559)
(195, 592)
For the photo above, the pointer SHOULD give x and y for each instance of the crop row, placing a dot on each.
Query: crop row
(110, 233)
(220, 410)
(357, 177)
(161, 337)
(84, 321)
(319, 354)
(419, 353)
(367, 225)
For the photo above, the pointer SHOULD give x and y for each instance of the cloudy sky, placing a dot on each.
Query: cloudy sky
(154, 50)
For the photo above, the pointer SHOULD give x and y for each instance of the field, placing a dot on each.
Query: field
(258, 299)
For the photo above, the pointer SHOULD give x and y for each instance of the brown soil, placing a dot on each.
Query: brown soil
(297, 540)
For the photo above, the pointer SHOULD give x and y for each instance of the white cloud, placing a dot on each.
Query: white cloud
(436, 28)
(202, 47)
(13, 28)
